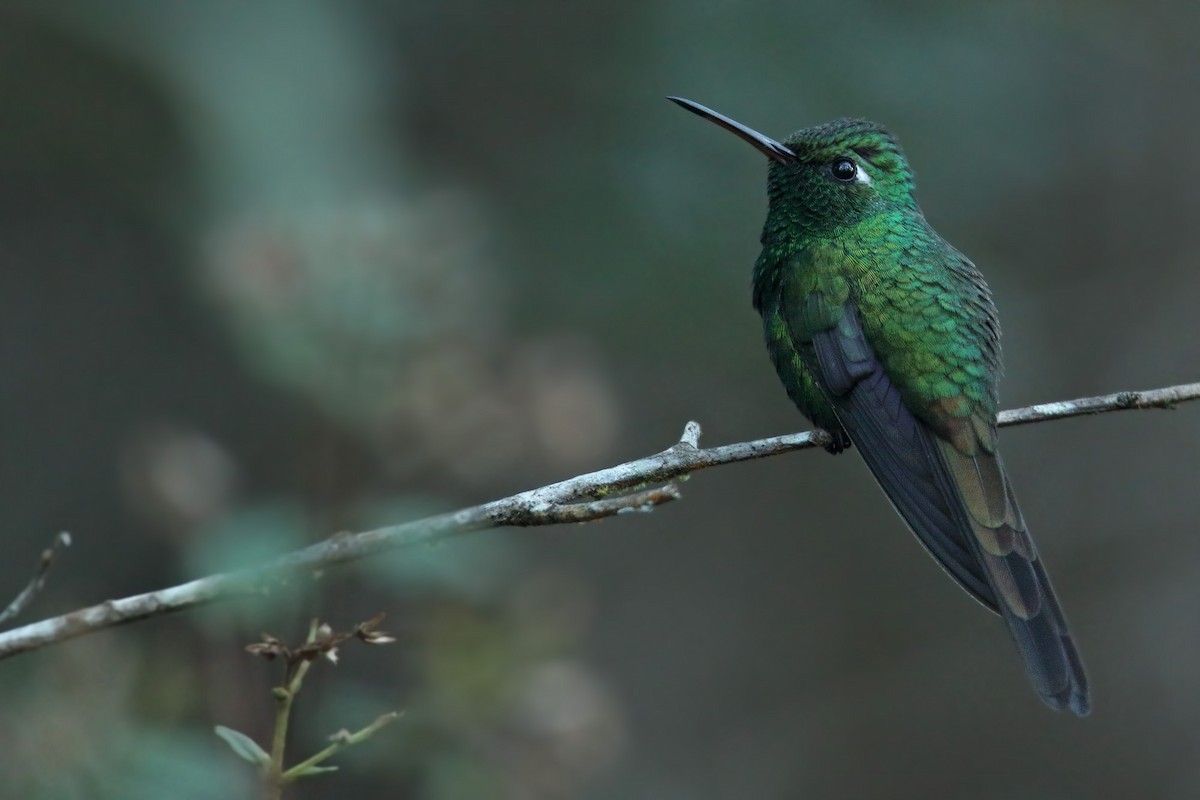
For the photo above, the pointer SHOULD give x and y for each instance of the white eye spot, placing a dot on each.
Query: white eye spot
(861, 176)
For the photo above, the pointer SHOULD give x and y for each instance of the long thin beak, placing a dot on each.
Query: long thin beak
(764, 144)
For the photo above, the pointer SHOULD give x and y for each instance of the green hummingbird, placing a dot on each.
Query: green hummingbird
(886, 337)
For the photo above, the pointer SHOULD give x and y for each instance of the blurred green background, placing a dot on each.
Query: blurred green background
(272, 270)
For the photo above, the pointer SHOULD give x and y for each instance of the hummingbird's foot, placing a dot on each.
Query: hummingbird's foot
(838, 440)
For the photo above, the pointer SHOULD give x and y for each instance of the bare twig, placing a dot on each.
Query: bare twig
(593, 496)
(61, 542)
(1151, 398)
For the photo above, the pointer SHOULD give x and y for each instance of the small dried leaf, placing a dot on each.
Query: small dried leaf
(367, 633)
(268, 649)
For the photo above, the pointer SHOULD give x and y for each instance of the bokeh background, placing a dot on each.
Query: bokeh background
(272, 270)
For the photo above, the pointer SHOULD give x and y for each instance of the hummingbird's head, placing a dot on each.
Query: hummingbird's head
(831, 175)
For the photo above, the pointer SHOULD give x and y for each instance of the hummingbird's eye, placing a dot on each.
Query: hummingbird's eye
(844, 169)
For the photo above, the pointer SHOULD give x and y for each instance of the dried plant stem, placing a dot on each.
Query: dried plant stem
(285, 695)
(61, 542)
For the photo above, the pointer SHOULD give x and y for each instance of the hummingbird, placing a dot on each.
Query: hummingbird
(886, 337)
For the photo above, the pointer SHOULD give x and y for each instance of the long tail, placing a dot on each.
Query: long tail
(962, 508)
(1024, 595)
(957, 499)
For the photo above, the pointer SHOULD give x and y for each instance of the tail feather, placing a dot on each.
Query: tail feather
(954, 494)
(1025, 597)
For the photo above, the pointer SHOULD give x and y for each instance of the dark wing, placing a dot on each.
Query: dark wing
(961, 507)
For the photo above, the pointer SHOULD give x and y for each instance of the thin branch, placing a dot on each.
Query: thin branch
(341, 741)
(61, 542)
(1121, 401)
(593, 496)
